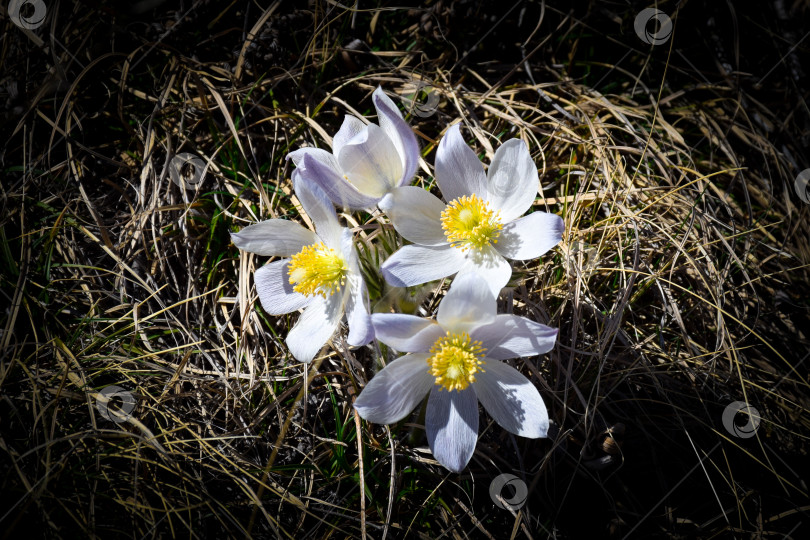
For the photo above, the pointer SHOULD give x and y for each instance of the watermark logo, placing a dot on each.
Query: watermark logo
(800, 185)
(112, 411)
(187, 170)
(651, 16)
(27, 14)
(502, 181)
(739, 410)
(516, 501)
(420, 98)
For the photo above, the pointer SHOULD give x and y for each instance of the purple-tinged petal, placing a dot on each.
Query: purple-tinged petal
(274, 237)
(324, 157)
(412, 265)
(396, 390)
(511, 399)
(361, 331)
(511, 336)
(451, 424)
(275, 292)
(399, 132)
(339, 191)
(406, 333)
(319, 209)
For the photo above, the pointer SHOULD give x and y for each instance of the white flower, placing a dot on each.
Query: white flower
(480, 226)
(367, 161)
(458, 360)
(319, 272)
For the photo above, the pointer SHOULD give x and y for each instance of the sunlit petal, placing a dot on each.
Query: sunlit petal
(490, 265)
(370, 162)
(530, 236)
(351, 127)
(315, 326)
(416, 215)
(458, 170)
(512, 180)
(469, 303)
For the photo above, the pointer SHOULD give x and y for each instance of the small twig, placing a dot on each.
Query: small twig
(362, 478)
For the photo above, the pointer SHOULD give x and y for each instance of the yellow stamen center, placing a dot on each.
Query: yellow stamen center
(455, 360)
(317, 269)
(469, 222)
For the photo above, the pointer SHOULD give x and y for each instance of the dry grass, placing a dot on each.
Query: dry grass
(680, 285)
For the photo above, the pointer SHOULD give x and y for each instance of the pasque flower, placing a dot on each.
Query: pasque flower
(319, 272)
(458, 360)
(367, 161)
(481, 224)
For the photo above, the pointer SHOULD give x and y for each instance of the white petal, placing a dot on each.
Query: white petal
(319, 155)
(512, 180)
(371, 162)
(351, 127)
(400, 133)
(319, 208)
(451, 423)
(511, 399)
(511, 336)
(315, 326)
(412, 265)
(274, 237)
(490, 265)
(361, 331)
(530, 236)
(458, 170)
(469, 303)
(396, 390)
(349, 251)
(406, 333)
(339, 191)
(416, 215)
(275, 292)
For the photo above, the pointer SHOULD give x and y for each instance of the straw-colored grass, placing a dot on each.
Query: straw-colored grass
(680, 285)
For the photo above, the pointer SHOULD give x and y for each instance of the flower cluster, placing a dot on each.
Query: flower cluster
(457, 359)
